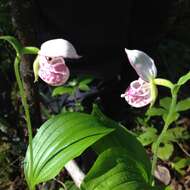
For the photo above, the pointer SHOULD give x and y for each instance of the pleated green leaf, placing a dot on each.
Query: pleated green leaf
(122, 163)
(59, 140)
(115, 169)
(122, 138)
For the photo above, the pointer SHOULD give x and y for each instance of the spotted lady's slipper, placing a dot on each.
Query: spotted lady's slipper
(50, 64)
(143, 91)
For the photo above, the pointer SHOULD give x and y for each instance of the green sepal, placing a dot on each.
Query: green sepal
(153, 92)
(36, 69)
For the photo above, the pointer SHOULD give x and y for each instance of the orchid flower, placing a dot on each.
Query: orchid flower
(50, 64)
(143, 91)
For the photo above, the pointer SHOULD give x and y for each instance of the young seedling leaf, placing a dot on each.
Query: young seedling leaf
(164, 151)
(176, 134)
(84, 87)
(62, 90)
(148, 137)
(180, 164)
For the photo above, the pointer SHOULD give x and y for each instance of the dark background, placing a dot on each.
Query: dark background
(100, 30)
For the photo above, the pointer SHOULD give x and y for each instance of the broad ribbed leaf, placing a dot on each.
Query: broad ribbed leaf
(115, 169)
(59, 140)
(122, 138)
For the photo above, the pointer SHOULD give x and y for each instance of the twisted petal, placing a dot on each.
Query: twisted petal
(142, 63)
(54, 71)
(58, 47)
(138, 94)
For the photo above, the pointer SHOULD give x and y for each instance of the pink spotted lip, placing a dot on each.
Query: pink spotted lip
(53, 70)
(138, 93)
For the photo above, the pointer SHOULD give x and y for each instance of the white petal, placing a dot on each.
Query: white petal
(58, 47)
(142, 63)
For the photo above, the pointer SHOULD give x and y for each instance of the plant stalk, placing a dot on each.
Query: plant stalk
(166, 125)
(75, 172)
(26, 110)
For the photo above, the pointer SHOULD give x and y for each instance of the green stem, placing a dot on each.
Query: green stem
(26, 109)
(164, 82)
(166, 125)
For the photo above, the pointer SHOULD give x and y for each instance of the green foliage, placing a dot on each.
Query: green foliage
(62, 90)
(165, 102)
(164, 106)
(121, 137)
(153, 111)
(149, 136)
(183, 105)
(74, 87)
(59, 140)
(80, 83)
(182, 80)
(168, 188)
(66, 136)
(84, 83)
(69, 186)
(116, 169)
(176, 134)
(165, 150)
(30, 50)
(180, 163)
(122, 161)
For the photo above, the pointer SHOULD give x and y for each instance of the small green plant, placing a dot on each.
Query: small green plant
(179, 164)
(149, 135)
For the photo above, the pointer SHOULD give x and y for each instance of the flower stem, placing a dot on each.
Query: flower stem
(166, 125)
(26, 110)
(164, 82)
